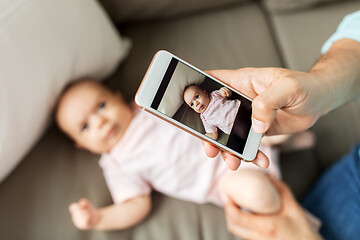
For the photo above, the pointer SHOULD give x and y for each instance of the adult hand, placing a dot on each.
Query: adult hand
(284, 101)
(289, 223)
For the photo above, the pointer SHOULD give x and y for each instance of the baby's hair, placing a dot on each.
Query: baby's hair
(192, 85)
(65, 90)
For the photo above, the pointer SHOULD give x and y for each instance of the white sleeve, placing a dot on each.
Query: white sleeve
(348, 28)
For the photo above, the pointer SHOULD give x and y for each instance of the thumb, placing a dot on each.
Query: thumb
(265, 106)
(73, 207)
(283, 190)
(84, 203)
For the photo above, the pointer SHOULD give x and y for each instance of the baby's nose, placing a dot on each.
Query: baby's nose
(98, 120)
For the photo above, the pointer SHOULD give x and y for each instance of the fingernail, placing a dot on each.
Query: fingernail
(258, 126)
(227, 163)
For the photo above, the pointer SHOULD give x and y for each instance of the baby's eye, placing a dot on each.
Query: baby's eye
(191, 104)
(102, 105)
(84, 127)
(197, 96)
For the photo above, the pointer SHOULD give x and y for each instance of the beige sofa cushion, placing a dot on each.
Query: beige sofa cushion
(44, 45)
(135, 10)
(292, 5)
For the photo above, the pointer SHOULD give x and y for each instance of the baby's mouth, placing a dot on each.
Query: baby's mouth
(112, 131)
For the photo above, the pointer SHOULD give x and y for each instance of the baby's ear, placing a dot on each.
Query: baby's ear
(119, 95)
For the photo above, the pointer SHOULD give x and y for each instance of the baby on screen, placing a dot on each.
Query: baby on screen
(216, 110)
(140, 152)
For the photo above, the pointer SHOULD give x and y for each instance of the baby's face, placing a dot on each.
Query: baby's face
(93, 116)
(196, 98)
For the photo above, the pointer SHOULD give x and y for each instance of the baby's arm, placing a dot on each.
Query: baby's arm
(225, 92)
(212, 135)
(114, 217)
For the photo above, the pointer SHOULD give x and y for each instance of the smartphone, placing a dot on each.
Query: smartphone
(199, 104)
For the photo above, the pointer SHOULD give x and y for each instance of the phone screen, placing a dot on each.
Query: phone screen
(204, 105)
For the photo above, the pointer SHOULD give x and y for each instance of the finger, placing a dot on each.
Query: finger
(73, 207)
(290, 205)
(238, 231)
(261, 160)
(280, 186)
(240, 223)
(266, 105)
(232, 212)
(83, 203)
(83, 222)
(210, 150)
(232, 161)
(89, 220)
(283, 189)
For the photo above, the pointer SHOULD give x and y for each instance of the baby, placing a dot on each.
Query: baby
(141, 153)
(216, 110)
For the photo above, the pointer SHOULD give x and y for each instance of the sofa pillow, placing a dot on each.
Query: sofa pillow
(292, 5)
(44, 45)
(135, 10)
(173, 96)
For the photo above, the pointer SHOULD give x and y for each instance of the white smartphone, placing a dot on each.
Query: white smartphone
(196, 102)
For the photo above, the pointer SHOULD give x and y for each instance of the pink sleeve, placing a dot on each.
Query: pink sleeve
(209, 128)
(216, 94)
(124, 185)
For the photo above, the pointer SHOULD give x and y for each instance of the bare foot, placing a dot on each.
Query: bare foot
(299, 141)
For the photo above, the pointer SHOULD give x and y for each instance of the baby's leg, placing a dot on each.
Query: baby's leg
(251, 190)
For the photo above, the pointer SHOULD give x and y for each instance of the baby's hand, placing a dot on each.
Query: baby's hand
(84, 215)
(225, 92)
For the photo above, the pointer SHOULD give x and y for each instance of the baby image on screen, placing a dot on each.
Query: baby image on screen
(216, 110)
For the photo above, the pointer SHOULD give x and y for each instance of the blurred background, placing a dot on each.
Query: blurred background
(46, 44)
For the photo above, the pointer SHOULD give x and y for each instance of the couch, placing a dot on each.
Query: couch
(229, 34)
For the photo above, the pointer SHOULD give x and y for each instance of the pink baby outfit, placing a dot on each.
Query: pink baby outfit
(220, 113)
(153, 154)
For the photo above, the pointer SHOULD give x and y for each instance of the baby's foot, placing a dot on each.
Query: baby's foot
(299, 141)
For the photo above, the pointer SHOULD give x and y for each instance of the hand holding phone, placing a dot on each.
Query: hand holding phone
(196, 102)
(233, 162)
